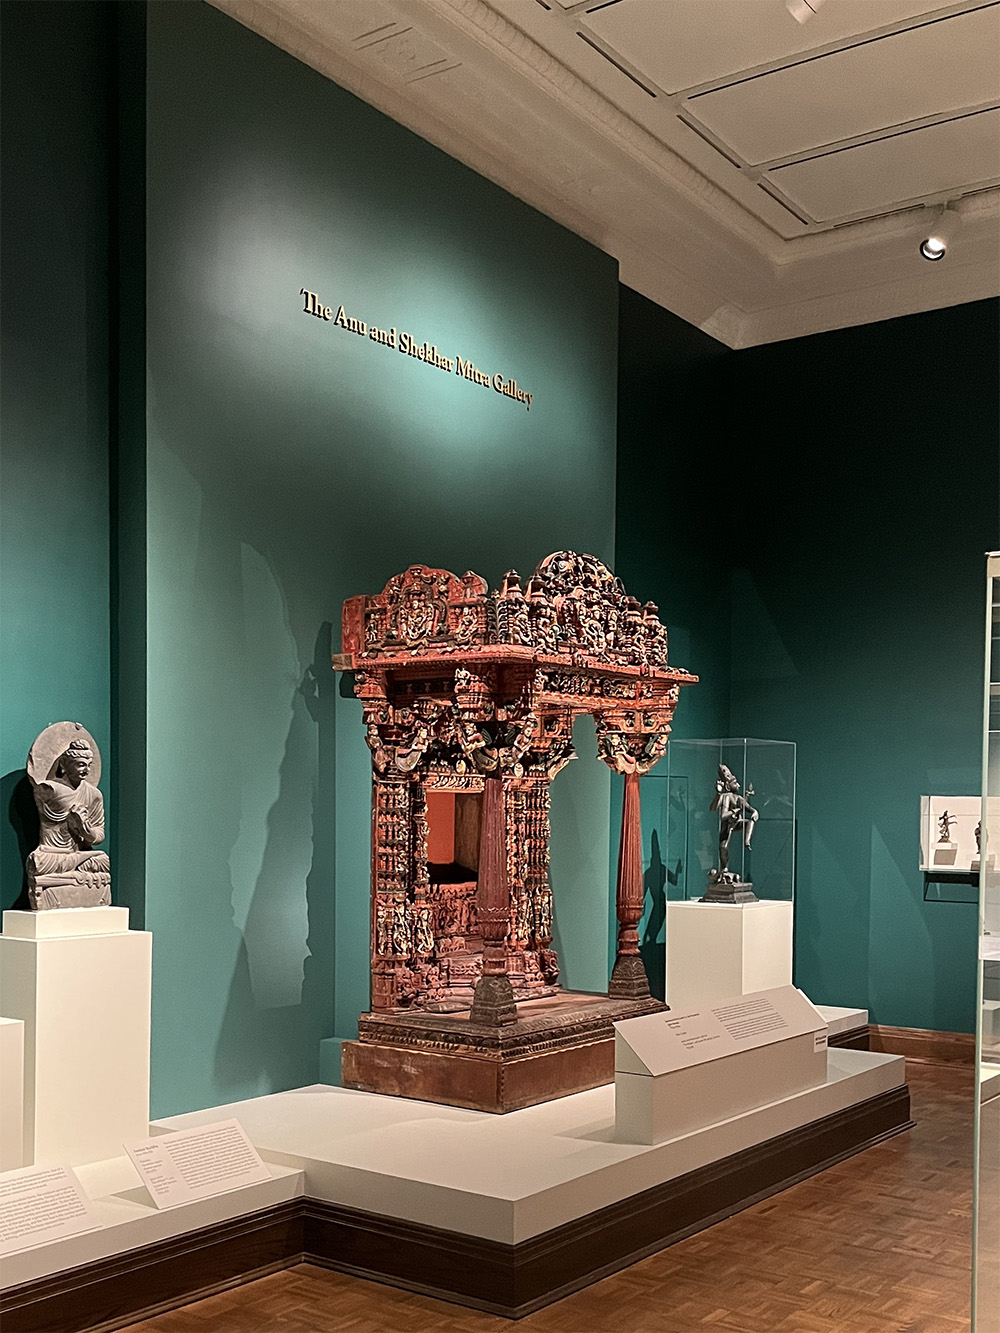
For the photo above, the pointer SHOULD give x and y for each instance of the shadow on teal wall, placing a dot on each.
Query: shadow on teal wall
(293, 463)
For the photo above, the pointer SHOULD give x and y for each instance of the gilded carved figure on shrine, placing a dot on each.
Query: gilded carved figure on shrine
(423, 942)
(383, 944)
(549, 961)
(65, 870)
(402, 938)
(630, 750)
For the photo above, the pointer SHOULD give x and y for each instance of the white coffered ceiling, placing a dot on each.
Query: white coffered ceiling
(760, 177)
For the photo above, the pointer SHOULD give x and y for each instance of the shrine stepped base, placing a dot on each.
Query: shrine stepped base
(559, 1045)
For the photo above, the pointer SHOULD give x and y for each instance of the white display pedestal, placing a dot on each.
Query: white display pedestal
(680, 1072)
(839, 1019)
(11, 1094)
(84, 998)
(717, 950)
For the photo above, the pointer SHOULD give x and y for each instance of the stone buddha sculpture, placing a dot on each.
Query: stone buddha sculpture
(64, 870)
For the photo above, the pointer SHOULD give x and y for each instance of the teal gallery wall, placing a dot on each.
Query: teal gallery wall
(859, 632)
(292, 463)
(823, 563)
(55, 659)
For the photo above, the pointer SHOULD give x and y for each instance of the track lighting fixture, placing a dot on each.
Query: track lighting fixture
(940, 232)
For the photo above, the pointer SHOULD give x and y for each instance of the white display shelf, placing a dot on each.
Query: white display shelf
(958, 854)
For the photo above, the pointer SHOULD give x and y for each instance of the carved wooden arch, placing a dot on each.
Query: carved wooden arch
(469, 691)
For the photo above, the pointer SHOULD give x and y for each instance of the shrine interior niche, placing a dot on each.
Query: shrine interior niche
(469, 699)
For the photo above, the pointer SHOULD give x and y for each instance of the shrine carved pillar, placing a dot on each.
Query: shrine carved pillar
(628, 977)
(631, 753)
(392, 922)
(423, 930)
(538, 802)
(493, 1002)
(518, 880)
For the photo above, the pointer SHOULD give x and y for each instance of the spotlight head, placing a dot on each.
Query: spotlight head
(941, 231)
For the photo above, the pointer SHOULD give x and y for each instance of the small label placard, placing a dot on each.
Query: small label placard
(196, 1163)
(679, 1040)
(39, 1204)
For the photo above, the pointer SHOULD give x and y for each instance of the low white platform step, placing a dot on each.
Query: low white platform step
(508, 1177)
(130, 1219)
(842, 1020)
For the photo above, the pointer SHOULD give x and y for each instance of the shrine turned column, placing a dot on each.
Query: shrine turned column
(628, 977)
(493, 1002)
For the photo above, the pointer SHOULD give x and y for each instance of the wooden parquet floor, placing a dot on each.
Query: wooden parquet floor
(877, 1244)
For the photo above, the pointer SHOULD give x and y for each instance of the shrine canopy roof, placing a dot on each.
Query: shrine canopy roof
(573, 612)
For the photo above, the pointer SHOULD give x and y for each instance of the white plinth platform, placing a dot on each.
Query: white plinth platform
(508, 1178)
(65, 922)
(719, 950)
(506, 1213)
(840, 1019)
(11, 1094)
(130, 1219)
(80, 980)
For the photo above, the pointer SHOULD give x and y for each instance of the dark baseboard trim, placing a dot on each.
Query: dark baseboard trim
(854, 1039)
(511, 1280)
(113, 1292)
(924, 1045)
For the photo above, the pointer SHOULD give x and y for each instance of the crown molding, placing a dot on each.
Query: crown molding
(679, 239)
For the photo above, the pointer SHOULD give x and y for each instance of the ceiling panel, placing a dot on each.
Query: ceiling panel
(950, 157)
(509, 88)
(683, 43)
(939, 67)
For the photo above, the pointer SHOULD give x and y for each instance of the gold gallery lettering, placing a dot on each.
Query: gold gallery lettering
(407, 344)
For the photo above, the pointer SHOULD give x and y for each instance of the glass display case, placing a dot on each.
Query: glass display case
(949, 834)
(681, 829)
(986, 1203)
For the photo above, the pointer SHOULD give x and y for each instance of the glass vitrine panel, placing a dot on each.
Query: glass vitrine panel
(761, 850)
(986, 1209)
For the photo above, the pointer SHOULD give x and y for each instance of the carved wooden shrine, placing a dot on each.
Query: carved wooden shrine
(469, 702)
